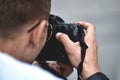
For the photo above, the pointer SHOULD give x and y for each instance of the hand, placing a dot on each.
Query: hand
(73, 49)
(36, 63)
(63, 68)
(90, 65)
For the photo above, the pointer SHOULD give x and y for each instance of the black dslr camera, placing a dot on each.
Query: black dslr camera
(53, 49)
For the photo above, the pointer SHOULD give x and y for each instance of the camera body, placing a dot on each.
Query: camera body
(53, 49)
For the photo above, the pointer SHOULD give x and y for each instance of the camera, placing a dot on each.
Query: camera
(53, 49)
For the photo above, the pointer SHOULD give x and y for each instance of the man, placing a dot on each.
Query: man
(23, 32)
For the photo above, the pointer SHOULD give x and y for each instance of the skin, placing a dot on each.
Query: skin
(26, 46)
(64, 69)
(90, 65)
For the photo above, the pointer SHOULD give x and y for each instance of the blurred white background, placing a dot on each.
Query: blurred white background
(105, 15)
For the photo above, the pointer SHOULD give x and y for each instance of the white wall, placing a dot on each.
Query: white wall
(105, 14)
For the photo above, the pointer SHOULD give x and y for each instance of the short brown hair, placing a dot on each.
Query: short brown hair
(16, 13)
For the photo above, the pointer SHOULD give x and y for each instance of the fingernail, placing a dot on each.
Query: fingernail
(59, 33)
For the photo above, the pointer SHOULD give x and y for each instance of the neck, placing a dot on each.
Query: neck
(7, 47)
(20, 48)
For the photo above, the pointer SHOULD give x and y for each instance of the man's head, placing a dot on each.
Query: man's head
(23, 27)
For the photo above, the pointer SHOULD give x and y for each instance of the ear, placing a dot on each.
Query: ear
(37, 33)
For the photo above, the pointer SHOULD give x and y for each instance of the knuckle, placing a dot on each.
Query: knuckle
(93, 26)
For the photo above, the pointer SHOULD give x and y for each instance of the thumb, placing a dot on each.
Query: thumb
(72, 48)
(64, 39)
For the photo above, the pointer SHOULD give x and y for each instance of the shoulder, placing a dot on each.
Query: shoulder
(12, 69)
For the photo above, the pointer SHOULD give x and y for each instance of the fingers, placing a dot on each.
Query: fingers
(64, 69)
(36, 63)
(90, 28)
(68, 44)
(56, 68)
(90, 33)
(63, 38)
(90, 65)
(72, 48)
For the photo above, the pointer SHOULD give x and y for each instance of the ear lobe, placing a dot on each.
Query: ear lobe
(37, 32)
